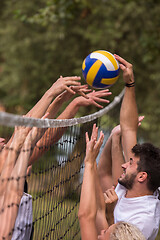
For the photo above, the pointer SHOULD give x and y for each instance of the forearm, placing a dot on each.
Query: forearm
(42, 105)
(70, 110)
(10, 155)
(129, 113)
(117, 158)
(54, 107)
(105, 166)
(129, 121)
(101, 222)
(88, 205)
(9, 214)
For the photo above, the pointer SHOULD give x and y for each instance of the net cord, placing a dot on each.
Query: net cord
(11, 120)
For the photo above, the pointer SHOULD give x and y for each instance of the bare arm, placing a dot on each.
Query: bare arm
(58, 87)
(101, 222)
(53, 135)
(105, 166)
(128, 112)
(88, 203)
(12, 193)
(117, 155)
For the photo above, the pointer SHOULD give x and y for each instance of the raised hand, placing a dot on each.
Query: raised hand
(81, 90)
(93, 145)
(94, 98)
(63, 83)
(126, 68)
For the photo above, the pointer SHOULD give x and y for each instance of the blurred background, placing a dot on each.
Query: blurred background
(41, 40)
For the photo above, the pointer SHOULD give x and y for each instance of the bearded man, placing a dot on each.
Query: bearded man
(135, 171)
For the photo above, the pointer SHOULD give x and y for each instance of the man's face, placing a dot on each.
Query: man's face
(127, 179)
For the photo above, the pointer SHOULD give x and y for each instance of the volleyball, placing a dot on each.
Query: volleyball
(100, 69)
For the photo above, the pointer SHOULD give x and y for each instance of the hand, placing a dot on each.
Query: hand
(110, 198)
(94, 97)
(63, 83)
(66, 95)
(93, 145)
(126, 68)
(140, 119)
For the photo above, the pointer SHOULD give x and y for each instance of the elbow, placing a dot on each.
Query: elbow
(86, 216)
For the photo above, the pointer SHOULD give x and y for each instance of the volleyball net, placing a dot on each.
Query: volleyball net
(43, 165)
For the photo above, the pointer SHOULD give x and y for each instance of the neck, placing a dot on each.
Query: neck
(138, 192)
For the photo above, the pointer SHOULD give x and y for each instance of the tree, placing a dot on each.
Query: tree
(41, 40)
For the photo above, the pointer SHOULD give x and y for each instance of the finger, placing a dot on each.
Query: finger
(122, 60)
(69, 90)
(82, 94)
(100, 95)
(100, 140)
(112, 194)
(122, 67)
(95, 132)
(72, 83)
(140, 119)
(101, 92)
(109, 194)
(97, 99)
(86, 90)
(81, 87)
(106, 199)
(75, 78)
(45, 115)
(96, 104)
(87, 137)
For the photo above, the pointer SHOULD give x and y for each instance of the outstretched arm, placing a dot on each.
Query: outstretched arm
(111, 159)
(88, 203)
(13, 176)
(53, 135)
(117, 155)
(58, 87)
(105, 166)
(128, 112)
(62, 84)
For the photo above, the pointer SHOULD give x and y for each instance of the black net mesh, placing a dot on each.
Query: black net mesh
(42, 200)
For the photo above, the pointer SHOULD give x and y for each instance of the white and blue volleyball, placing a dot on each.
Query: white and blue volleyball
(100, 69)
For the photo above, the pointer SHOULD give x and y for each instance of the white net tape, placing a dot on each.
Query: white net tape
(8, 119)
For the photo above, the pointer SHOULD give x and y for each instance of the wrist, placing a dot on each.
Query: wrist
(132, 84)
(89, 163)
(49, 94)
(76, 102)
(75, 105)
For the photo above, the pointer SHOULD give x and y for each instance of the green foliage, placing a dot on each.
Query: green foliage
(41, 40)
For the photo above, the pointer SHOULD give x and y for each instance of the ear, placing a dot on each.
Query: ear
(142, 176)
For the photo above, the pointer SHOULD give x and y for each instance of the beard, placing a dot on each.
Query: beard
(127, 181)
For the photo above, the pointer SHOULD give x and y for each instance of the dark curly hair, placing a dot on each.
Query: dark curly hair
(149, 162)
